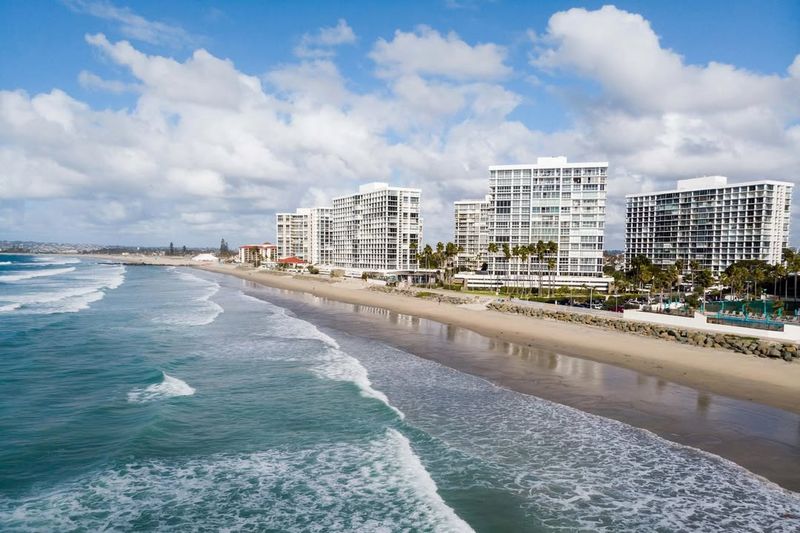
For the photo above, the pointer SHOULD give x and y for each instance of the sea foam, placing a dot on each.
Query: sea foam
(168, 387)
(56, 260)
(30, 274)
(332, 362)
(92, 286)
(198, 311)
(571, 470)
(377, 485)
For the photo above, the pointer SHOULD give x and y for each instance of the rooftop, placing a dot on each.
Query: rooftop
(709, 182)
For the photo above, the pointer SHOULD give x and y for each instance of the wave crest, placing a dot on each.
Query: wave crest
(35, 274)
(168, 387)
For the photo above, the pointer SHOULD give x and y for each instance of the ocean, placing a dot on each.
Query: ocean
(161, 398)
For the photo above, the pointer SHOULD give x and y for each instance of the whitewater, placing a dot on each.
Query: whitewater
(178, 398)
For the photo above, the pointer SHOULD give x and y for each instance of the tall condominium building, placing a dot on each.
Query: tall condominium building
(471, 234)
(552, 200)
(321, 235)
(307, 234)
(709, 221)
(294, 234)
(378, 228)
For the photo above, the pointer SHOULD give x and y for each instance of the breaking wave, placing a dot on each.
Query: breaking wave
(168, 387)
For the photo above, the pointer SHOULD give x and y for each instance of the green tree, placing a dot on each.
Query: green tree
(507, 255)
(551, 250)
(641, 271)
(524, 254)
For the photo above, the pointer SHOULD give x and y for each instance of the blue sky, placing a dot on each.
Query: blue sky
(527, 79)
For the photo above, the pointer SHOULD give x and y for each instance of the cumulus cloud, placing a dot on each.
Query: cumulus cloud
(657, 118)
(427, 52)
(210, 151)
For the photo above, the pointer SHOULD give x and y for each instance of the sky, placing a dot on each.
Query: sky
(144, 123)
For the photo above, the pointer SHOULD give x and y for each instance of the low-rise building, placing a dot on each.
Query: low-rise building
(258, 254)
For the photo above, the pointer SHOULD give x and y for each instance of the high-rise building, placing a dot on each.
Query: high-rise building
(321, 235)
(550, 201)
(709, 221)
(306, 234)
(378, 228)
(471, 232)
(294, 234)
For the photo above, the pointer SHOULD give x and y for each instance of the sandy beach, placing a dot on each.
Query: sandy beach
(739, 407)
(770, 382)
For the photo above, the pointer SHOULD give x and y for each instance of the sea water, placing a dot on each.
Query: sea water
(157, 398)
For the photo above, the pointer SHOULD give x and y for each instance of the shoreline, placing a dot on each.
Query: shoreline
(770, 382)
(775, 383)
(721, 402)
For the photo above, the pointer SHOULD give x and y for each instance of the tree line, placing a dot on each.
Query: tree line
(443, 256)
(751, 276)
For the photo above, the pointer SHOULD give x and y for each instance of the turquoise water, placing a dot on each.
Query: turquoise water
(146, 398)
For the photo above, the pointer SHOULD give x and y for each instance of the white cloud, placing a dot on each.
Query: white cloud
(210, 151)
(89, 80)
(134, 26)
(427, 52)
(657, 118)
(321, 43)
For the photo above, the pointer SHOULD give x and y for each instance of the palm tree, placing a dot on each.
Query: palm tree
(427, 252)
(515, 254)
(551, 247)
(492, 249)
(776, 273)
(507, 254)
(450, 252)
(694, 266)
(524, 254)
(540, 249)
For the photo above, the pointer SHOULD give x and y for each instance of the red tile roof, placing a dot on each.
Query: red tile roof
(291, 260)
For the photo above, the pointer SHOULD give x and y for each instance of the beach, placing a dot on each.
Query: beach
(649, 383)
(175, 396)
(770, 382)
(774, 383)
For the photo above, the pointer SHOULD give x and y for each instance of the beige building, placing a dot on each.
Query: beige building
(471, 231)
(293, 234)
(258, 254)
